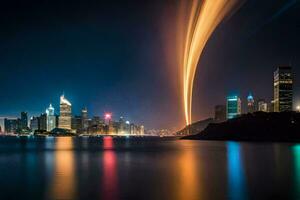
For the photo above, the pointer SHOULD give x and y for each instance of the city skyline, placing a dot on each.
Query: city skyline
(65, 122)
(150, 99)
(120, 62)
(283, 97)
(282, 101)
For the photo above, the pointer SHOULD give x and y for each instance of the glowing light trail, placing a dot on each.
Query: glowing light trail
(204, 17)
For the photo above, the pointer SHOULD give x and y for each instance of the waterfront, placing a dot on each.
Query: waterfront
(146, 168)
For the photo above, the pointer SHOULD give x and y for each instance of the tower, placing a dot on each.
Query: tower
(85, 120)
(24, 120)
(51, 118)
(233, 107)
(283, 89)
(65, 113)
(250, 103)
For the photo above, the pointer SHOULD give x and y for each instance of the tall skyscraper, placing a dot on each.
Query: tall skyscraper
(24, 120)
(34, 123)
(43, 122)
(233, 107)
(51, 118)
(283, 89)
(142, 130)
(77, 124)
(65, 118)
(250, 103)
(85, 120)
(220, 113)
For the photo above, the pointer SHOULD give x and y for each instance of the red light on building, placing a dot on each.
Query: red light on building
(107, 116)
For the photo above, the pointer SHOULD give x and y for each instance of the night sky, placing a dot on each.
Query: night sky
(120, 57)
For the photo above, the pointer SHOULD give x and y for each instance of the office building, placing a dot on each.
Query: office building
(250, 104)
(283, 89)
(65, 114)
(11, 125)
(220, 113)
(51, 118)
(34, 123)
(24, 120)
(233, 107)
(262, 105)
(43, 122)
(85, 120)
(77, 124)
(142, 130)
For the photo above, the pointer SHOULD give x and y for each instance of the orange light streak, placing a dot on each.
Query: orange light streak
(204, 17)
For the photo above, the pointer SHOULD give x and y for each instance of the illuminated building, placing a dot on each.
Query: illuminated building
(96, 120)
(85, 120)
(43, 122)
(220, 113)
(121, 128)
(233, 107)
(51, 118)
(111, 128)
(271, 107)
(142, 130)
(132, 129)
(250, 103)
(34, 123)
(76, 124)
(262, 105)
(283, 89)
(107, 117)
(127, 127)
(24, 120)
(65, 113)
(11, 125)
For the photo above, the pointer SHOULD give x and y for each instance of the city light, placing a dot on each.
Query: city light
(107, 116)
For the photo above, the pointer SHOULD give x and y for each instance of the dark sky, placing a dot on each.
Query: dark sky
(111, 56)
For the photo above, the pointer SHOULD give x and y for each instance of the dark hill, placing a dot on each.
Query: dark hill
(259, 126)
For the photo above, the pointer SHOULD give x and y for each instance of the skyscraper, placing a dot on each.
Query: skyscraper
(51, 118)
(250, 103)
(65, 113)
(43, 122)
(24, 120)
(283, 89)
(77, 124)
(85, 120)
(34, 123)
(220, 113)
(142, 130)
(233, 107)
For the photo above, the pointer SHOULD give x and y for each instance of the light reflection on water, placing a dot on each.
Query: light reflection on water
(296, 155)
(63, 184)
(236, 174)
(142, 168)
(188, 172)
(110, 179)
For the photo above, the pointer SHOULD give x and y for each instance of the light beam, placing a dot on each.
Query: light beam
(204, 17)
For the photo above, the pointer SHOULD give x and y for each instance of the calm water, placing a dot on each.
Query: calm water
(146, 168)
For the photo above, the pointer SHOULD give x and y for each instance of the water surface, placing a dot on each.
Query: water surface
(147, 168)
